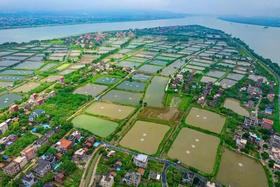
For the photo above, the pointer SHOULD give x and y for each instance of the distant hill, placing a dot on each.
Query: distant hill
(10, 20)
(262, 21)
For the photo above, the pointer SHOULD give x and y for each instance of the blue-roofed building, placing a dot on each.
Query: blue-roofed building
(269, 110)
(35, 114)
(96, 144)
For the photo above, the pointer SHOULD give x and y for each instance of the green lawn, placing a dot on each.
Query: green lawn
(97, 126)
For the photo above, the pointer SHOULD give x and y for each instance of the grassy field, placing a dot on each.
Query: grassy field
(110, 110)
(97, 126)
(205, 120)
(195, 149)
(145, 137)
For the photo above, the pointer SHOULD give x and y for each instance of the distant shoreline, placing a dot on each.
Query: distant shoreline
(88, 22)
(253, 21)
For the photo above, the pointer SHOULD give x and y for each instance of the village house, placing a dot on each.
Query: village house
(51, 159)
(132, 179)
(268, 110)
(154, 176)
(3, 127)
(107, 181)
(141, 160)
(12, 168)
(21, 160)
(59, 177)
(241, 143)
(35, 114)
(188, 178)
(271, 97)
(249, 122)
(275, 141)
(64, 145)
(29, 152)
(79, 154)
(89, 142)
(75, 136)
(141, 171)
(42, 168)
(29, 179)
(14, 108)
(267, 124)
(275, 154)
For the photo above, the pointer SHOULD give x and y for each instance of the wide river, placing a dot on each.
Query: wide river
(265, 42)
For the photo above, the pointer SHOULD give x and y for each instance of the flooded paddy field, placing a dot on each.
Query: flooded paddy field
(159, 62)
(195, 67)
(27, 87)
(123, 97)
(6, 84)
(87, 59)
(52, 78)
(132, 86)
(172, 68)
(195, 149)
(11, 78)
(216, 73)
(97, 126)
(107, 80)
(206, 79)
(8, 99)
(167, 114)
(235, 106)
(141, 77)
(110, 110)
(129, 64)
(17, 72)
(7, 63)
(155, 92)
(195, 63)
(235, 76)
(227, 83)
(205, 119)
(137, 59)
(237, 170)
(149, 69)
(29, 65)
(145, 137)
(48, 66)
(91, 89)
(66, 71)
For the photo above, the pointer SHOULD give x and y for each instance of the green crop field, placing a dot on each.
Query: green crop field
(97, 126)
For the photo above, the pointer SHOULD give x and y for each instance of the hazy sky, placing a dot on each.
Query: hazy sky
(233, 7)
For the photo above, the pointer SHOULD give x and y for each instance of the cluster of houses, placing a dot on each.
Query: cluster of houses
(49, 162)
(176, 82)
(131, 178)
(5, 125)
(90, 40)
(206, 91)
(37, 99)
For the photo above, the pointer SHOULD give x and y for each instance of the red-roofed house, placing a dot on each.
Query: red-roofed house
(267, 123)
(29, 152)
(64, 144)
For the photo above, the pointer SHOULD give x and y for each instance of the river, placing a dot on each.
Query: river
(265, 41)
